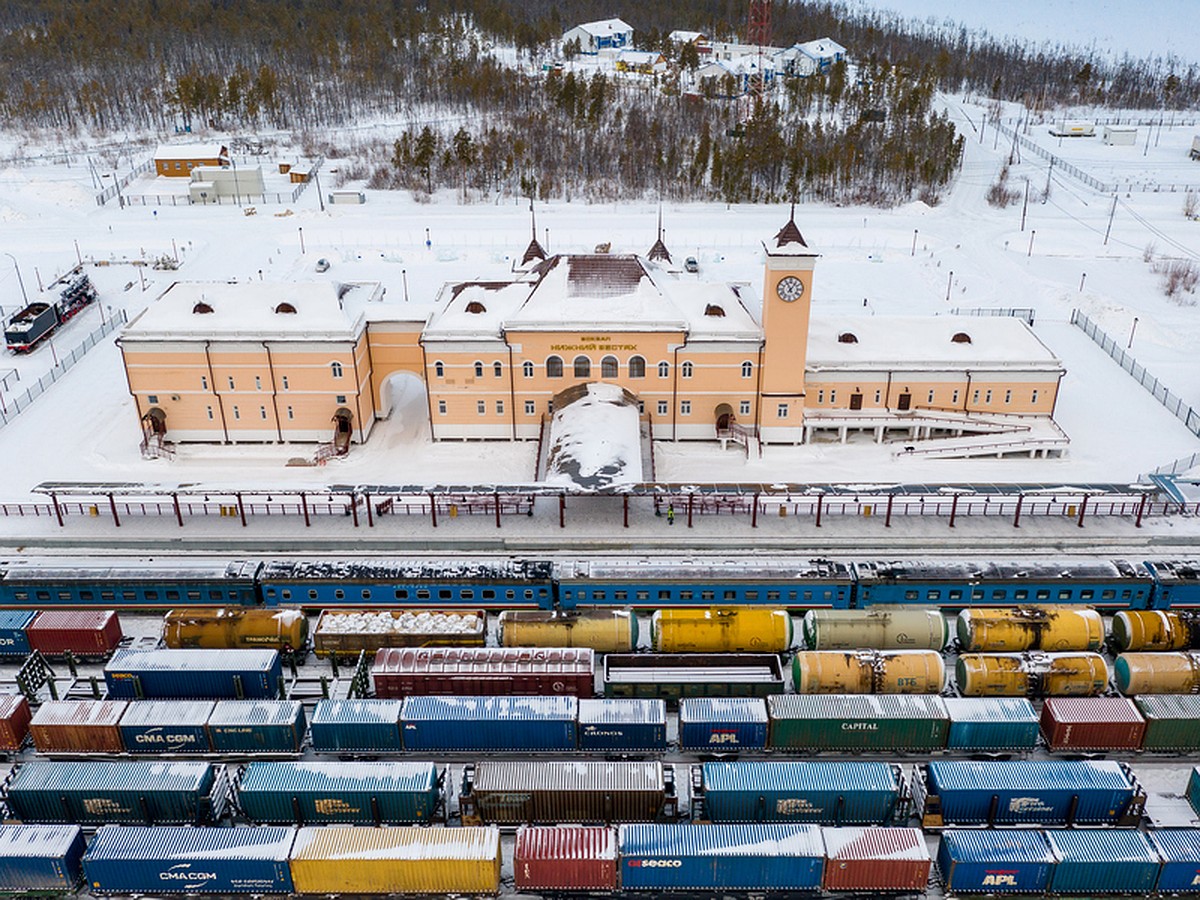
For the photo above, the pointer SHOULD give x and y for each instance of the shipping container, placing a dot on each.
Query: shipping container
(167, 726)
(233, 627)
(881, 860)
(1172, 721)
(78, 726)
(257, 726)
(1100, 861)
(207, 674)
(874, 722)
(171, 860)
(747, 629)
(13, 641)
(484, 671)
(1050, 628)
(995, 862)
(37, 859)
(519, 792)
(446, 861)
(1092, 723)
(774, 858)
(991, 723)
(603, 630)
(348, 632)
(490, 723)
(1031, 674)
(1150, 629)
(1157, 673)
(1179, 850)
(566, 858)
(356, 726)
(617, 724)
(675, 675)
(322, 793)
(82, 633)
(132, 792)
(877, 628)
(15, 716)
(722, 724)
(868, 672)
(821, 793)
(1193, 790)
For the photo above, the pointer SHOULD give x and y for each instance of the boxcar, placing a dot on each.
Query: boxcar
(484, 671)
(145, 583)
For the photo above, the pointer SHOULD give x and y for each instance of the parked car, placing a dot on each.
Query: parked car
(322, 265)
(691, 265)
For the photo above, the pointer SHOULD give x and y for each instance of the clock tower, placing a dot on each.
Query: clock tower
(786, 303)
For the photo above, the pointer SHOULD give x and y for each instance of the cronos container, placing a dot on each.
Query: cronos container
(14, 721)
(13, 641)
(78, 726)
(85, 633)
(257, 726)
(620, 724)
(396, 861)
(821, 793)
(486, 671)
(881, 723)
(1092, 723)
(166, 726)
(171, 860)
(194, 674)
(1179, 849)
(995, 862)
(991, 723)
(887, 860)
(1172, 721)
(321, 793)
(38, 859)
(721, 857)
(1116, 861)
(362, 726)
(576, 858)
(603, 630)
(489, 723)
(723, 724)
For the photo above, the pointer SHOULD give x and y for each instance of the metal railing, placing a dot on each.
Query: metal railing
(114, 190)
(1024, 313)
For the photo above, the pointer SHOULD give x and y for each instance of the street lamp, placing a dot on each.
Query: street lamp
(320, 198)
(20, 281)
(237, 191)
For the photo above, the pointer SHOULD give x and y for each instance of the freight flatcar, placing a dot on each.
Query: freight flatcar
(675, 675)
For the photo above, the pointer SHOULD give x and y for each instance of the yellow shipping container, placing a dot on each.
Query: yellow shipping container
(417, 860)
(743, 629)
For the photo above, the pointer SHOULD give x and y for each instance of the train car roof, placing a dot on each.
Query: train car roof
(702, 569)
(407, 570)
(133, 570)
(1175, 570)
(972, 571)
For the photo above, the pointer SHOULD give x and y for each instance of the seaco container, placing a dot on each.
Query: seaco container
(721, 857)
(396, 860)
(576, 858)
(747, 629)
(616, 724)
(722, 724)
(172, 860)
(1172, 721)
(84, 633)
(13, 622)
(484, 671)
(877, 628)
(234, 627)
(603, 630)
(38, 859)
(991, 723)
(1092, 723)
(322, 793)
(78, 726)
(1179, 849)
(362, 726)
(135, 792)
(257, 726)
(1119, 861)
(884, 860)
(823, 793)
(489, 723)
(14, 721)
(166, 726)
(995, 862)
(857, 722)
(194, 674)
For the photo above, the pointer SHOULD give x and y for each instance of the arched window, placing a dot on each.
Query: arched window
(583, 367)
(475, 307)
(285, 308)
(686, 370)
(478, 369)
(637, 367)
(335, 369)
(717, 312)
(201, 308)
(664, 370)
(609, 367)
(439, 369)
(554, 367)
(497, 369)
(527, 369)
(961, 338)
(847, 337)
(747, 369)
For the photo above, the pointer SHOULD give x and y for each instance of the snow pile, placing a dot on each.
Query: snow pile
(595, 440)
(407, 622)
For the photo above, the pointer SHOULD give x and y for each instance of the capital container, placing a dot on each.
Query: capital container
(37, 859)
(1193, 790)
(868, 672)
(78, 726)
(995, 862)
(166, 726)
(822, 793)
(131, 792)
(350, 861)
(1157, 673)
(85, 633)
(675, 675)
(1092, 723)
(877, 628)
(1179, 850)
(748, 629)
(1150, 629)
(991, 723)
(322, 793)
(722, 724)
(885, 860)
(603, 630)
(874, 722)
(743, 857)
(1049, 628)
(511, 793)
(235, 627)
(489, 723)
(208, 674)
(484, 671)
(1102, 861)
(348, 632)
(173, 860)
(257, 726)
(1172, 721)
(13, 641)
(15, 716)
(570, 858)
(362, 726)
(619, 723)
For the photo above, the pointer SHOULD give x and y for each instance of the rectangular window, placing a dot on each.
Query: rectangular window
(422, 593)
(820, 396)
(833, 396)
(285, 382)
(549, 406)
(231, 382)
(987, 398)
(530, 408)
(499, 407)
(204, 382)
(954, 397)
(152, 398)
(1064, 594)
(236, 413)
(662, 407)
(208, 409)
(685, 407)
(930, 397)
(258, 382)
(772, 595)
(956, 595)
(878, 397)
(262, 411)
(620, 595)
(481, 407)
(1033, 399)
(999, 594)
(641, 407)
(744, 408)
(1008, 396)
(975, 396)
(489, 594)
(685, 595)
(1043, 595)
(1087, 594)
(977, 594)
(340, 398)
(707, 595)
(444, 594)
(933, 595)
(291, 413)
(1021, 594)
(643, 595)
(912, 595)
(466, 594)
(441, 407)
(400, 593)
(781, 411)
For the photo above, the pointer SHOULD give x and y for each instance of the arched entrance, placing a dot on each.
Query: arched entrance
(725, 417)
(343, 430)
(154, 422)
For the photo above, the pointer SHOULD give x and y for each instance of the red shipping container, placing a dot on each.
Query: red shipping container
(78, 726)
(484, 671)
(574, 858)
(84, 633)
(14, 721)
(1092, 723)
(876, 859)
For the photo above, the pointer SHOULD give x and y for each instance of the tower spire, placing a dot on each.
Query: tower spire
(659, 251)
(534, 250)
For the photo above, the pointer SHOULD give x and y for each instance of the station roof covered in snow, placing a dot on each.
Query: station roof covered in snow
(190, 151)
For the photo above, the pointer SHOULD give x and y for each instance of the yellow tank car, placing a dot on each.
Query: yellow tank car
(604, 630)
(1157, 673)
(1031, 674)
(877, 628)
(1048, 628)
(868, 672)
(1150, 629)
(742, 629)
(220, 628)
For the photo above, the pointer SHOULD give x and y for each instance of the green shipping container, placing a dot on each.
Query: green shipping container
(1172, 721)
(871, 722)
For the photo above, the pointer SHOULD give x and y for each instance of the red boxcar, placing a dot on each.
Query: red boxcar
(82, 633)
(1092, 723)
(78, 726)
(550, 858)
(482, 671)
(14, 721)
(876, 859)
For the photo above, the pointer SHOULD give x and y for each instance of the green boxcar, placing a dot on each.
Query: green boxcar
(1172, 721)
(870, 722)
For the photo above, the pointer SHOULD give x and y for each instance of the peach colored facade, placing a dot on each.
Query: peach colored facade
(177, 161)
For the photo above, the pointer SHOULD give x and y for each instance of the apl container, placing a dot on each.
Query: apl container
(39, 859)
(356, 726)
(1102, 861)
(1050, 628)
(868, 672)
(1157, 673)
(576, 858)
(14, 722)
(166, 726)
(235, 627)
(131, 860)
(357, 861)
(877, 628)
(995, 862)
(603, 630)
(1031, 674)
(1092, 723)
(821, 793)
(208, 674)
(883, 860)
(722, 724)
(614, 724)
(1172, 721)
(489, 723)
(1150, 629)
(322, 793)
(882, 723)
(83, 633)
(721, 857)
(13, 622)
(1179, 849)
(991, 723)
(748, 629)
(257, 726)
(484, 671)
(78, 726)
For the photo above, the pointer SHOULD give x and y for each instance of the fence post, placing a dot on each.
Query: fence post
(953, 509)
(1141, 510)
(57, 510)
(112, 504)
(887, 522)
(1017, 516)
(1082, 510)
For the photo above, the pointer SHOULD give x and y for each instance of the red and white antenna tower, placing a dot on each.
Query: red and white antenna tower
(758, 30)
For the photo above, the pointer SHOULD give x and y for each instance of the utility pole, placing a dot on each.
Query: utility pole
(1025, 205)
(1112, 212)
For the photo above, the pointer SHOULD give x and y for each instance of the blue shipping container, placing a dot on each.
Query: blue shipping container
(1179, 849)
(1103, 861)
(612, 723)
(257, 726)
(721, 857)
(490, 723)
(995, 862)
(319, 793)
(13, 640)
(194, 674)
(38, 858)
(723, 724)
(992, 723)
(822, 793)
(1193, 790)
(166, 726)
(356, 726)
(123, 860)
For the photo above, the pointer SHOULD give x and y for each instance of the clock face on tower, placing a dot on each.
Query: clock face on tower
(789, 289)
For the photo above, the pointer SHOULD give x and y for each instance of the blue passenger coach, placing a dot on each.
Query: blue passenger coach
(129, 584)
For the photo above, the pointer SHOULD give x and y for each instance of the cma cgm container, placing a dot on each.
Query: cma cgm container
(14, 721)
(322, 793)
(208, 674)
(858, 722)
(1172, 721)
(484, 671)
(396, 860)
(721, 857)
(822, 793)
(37, 859)
(166, 726)
(884, 860)
(168, 860)
(257, 726)
(618, 724)
(143, 793)
(13, 641)
(489, 723)
(1100, 861)
(85, 633)
(362, 726)
(1179, 849)
(575, 858)
(995, 862)
(722, 724)
(1092, 723)
(78, 726)
(991, 723)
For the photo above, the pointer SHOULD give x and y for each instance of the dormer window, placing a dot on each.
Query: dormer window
(847, 337)
(961, 338)
(715, 311)
(201, 308)
(476, 307)
(286, 308)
